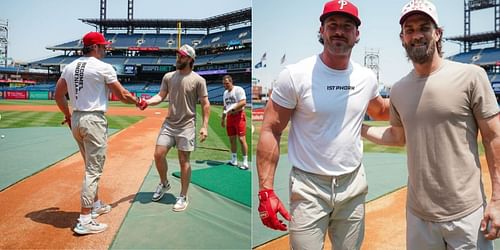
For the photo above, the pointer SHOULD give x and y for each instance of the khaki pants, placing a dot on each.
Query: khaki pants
(458, 234)
(335, 203)
(90, 132)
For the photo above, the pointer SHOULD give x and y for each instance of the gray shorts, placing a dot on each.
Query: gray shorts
(183, 139)
(321, 203)
(463, 233)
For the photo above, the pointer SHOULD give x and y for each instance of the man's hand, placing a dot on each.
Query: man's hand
(142, 104)
(223, 123)
(67, 119)
(491, 217)
(269, 206)
(203, 134)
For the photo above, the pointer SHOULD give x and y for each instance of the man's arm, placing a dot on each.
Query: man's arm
(60, 97)
(390, 136)
(490, 133)
(158, 98)
(275, 121)
(240, 105)
(123, 94)
(379, 108)
(205, 105)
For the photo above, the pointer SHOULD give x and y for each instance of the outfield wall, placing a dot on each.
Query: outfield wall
(49, 95)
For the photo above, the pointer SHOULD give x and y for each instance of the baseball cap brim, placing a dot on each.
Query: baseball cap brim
(323, 17)
(182, 53)
(403, 18)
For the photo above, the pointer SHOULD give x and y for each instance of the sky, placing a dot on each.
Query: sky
(282, 27)
(34, 24)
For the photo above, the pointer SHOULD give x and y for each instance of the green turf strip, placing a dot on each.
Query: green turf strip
(26, 151)
(209, 222)
(228, 181)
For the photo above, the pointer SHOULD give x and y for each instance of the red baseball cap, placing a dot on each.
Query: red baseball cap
(92, 38)
(340, 7)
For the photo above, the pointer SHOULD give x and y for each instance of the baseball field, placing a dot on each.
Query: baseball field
(40, 206)
(41, 172)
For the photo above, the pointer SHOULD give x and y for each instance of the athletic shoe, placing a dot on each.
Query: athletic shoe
(181, 204)
(103, 209)
(92, 227)
(244, 166)
(233, 162)
(160, 191)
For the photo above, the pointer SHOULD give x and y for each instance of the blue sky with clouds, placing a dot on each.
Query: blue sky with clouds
(36, 24)
(291, 27)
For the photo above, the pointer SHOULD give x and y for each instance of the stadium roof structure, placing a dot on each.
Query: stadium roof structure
(216, 22)
(477, 38)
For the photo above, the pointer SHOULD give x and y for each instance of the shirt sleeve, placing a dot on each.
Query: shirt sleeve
(202, 88)
(109, 74)
(284, 93)
(240, 94)
(164, 83)
(483, 100)
(395, 118)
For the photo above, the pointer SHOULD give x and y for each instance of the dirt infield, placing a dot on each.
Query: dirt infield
(385, 221)
(40, 211)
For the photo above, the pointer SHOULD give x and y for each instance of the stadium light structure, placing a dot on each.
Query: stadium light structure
(4, 41)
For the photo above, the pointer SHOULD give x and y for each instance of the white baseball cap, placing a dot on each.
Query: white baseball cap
(187, 50)
(419, 6)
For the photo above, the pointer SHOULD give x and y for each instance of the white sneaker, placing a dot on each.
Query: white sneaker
(103, 209)
(160, 191)
(180, 204)
(244, 166)
(233, 162)
(92, 227)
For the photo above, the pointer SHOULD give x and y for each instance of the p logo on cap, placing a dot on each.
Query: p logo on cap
(340, 7)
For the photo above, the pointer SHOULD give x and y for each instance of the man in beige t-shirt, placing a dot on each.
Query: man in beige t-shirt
(437, 110)
(184, 89)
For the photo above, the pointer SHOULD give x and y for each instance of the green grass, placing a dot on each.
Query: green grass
(217, 146)
(22, 119)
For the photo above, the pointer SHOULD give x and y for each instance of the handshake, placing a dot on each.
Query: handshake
(141, 103)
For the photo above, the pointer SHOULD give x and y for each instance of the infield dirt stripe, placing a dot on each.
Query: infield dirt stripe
(41, 211)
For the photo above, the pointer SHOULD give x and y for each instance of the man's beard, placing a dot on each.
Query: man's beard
(336, 47)
(420, 55)
(181, 65)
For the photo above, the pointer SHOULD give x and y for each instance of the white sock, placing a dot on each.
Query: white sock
(97, 204)
(85, 218)
(245, 159)
(233, 156)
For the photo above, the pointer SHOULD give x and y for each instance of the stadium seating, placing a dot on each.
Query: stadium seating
(487, 56)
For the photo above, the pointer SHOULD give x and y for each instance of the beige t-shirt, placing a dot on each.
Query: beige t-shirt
(184, 91)
(439, 114)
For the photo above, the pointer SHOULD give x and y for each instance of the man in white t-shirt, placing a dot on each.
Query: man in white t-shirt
(234, 113)
(88, 81)
(325, 97)
(437, 111)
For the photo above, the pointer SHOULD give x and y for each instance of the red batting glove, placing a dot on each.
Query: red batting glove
(269, 206)
(142, 104)
(67, 119)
